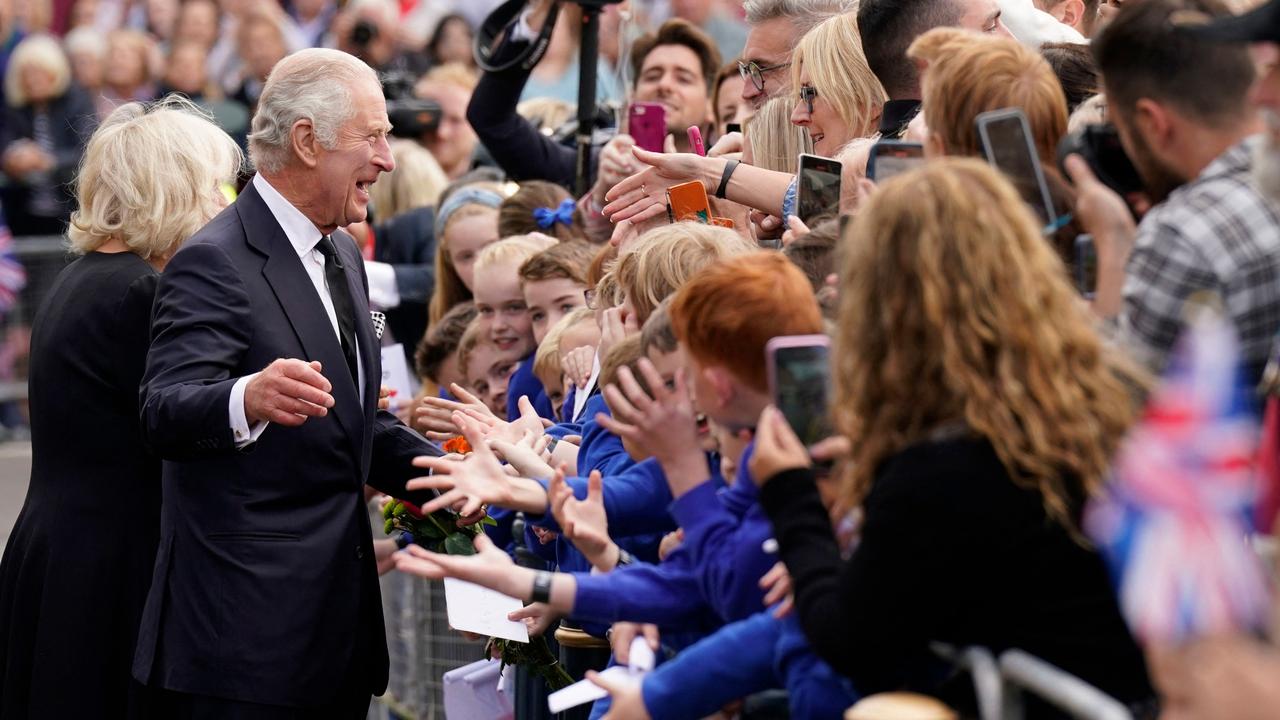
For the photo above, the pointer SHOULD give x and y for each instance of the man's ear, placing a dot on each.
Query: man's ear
(1155, 122)
(303, 142)
(1068, 12)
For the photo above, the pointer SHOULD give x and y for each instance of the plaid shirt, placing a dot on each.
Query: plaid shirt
(1217, 233)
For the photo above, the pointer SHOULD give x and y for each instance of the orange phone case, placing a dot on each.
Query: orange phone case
(722, 222)
(688, 201)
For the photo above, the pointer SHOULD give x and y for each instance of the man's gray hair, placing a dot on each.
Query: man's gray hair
(805, 15)
(313, 84)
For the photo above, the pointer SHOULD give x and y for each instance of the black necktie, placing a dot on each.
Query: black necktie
(343, 306)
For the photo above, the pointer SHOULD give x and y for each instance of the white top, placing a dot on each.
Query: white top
(303, 236)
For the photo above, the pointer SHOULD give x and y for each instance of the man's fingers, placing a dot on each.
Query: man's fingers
(303, 391)
(1079, 170)
(308, 373)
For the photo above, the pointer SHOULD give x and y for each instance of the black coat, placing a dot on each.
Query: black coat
(72, 119)
(265, 588)
(407, 242)
(78, 564)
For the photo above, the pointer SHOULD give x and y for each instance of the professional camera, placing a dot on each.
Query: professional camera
(363, 33)
(1100, 147)
(412, 118)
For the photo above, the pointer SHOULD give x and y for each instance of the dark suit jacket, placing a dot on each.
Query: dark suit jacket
(265, 587)
(408, 243)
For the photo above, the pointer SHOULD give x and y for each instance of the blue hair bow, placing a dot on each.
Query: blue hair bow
(546, 217)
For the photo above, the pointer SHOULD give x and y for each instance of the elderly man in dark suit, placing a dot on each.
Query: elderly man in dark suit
(260, 394)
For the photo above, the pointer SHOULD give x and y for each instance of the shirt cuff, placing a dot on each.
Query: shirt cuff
(383, 291)
(241, 432)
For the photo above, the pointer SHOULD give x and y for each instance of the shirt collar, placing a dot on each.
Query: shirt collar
(302, 233)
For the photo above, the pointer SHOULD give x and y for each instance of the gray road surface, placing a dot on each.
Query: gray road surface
(15, 471)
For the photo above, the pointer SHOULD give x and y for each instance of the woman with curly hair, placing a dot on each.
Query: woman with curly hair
(981, 410)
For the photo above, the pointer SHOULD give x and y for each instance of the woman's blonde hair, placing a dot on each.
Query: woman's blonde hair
(44, 52)
(954, 310)
(776, 144)
(449, 289)
(416, 182)
(838, 70)
(546, 361)
(663, 258)
(967, 73)
(150, 176)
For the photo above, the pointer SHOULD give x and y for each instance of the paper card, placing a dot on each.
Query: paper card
(585, 691)
(395, 375)
(482, 611)
(641, 661)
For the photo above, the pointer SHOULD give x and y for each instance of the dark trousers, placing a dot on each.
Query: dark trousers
(182, 706)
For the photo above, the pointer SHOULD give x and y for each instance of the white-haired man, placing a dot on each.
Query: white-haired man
(776, 27)
(260, 393)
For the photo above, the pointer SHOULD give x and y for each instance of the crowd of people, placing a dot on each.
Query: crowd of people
(263, 198)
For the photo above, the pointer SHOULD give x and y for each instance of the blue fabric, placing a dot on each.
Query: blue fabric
(524, 382)
(546, 217)
(714, 573)
(789, 201)
(743, 658)
(600, 450)
(501, 534)
(564, 429)
(635, 501)
(566, 409)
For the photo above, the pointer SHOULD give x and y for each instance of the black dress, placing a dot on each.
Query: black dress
(78, 564)
(953, 551)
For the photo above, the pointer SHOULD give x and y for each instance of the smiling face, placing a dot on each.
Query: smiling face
(488, 372)
(502, 309)
(550, 300)
(825, 126)
(466, 237)
(343, 175)
(672, 76)
(730, 107)
(769, 45)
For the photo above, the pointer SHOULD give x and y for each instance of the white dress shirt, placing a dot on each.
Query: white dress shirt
(304, 236)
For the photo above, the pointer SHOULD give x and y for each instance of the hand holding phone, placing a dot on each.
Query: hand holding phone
(695, 141)
(799, 382)
(647, 124)
(1008, 146)
(819, 187)
(688, 201)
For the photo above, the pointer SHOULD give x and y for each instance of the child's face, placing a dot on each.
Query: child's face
(466, 238)
(585, 333)
(450, 372)
(667, 364)
(550, 300)
(502, 309)
(489, 370)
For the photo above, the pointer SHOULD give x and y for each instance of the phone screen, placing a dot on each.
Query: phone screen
(1086, 266)
(647, 124)
(801, 390)
(819, 191)
(894, 159)
(1007, 144)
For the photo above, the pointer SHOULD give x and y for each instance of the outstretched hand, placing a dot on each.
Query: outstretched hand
(490, 566)
(465, 484)
(663, 426)
(584, 522)
(643, 195)
(434, 417)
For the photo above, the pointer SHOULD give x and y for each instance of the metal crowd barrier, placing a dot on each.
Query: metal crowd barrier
(42, 258)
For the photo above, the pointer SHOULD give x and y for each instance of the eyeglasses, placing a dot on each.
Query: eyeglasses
(808, 94)
(753, 72)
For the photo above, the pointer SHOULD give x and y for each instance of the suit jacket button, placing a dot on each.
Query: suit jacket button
(359, 552)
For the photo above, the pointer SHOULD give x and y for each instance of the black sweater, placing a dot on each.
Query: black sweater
(951, 551)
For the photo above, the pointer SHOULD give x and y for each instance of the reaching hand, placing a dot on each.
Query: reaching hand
(584, 522)
(777, 586)
(663, 426)
(526, 455)
(628, 700)
(623, 633)
(670, 542)
(729, 145)
(616, 164)
(777, 447)
(796, 229)
(494, 428)
(465, 484)
(490, 566)
(643, 195)
(615, 329)
(578, 364)
(536, 617)
(287, 392)
(434, 417)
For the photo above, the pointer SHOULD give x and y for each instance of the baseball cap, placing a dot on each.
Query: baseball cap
(1260, 25)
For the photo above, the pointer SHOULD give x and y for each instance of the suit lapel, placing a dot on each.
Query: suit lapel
(296, 294)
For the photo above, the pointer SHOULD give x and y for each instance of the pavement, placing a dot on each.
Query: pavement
(15, 472)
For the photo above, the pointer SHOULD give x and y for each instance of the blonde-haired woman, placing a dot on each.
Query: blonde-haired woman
(416, 182)
(982, 409)
(772, 141)
(42, 135)
(466, 222)
(78, 565)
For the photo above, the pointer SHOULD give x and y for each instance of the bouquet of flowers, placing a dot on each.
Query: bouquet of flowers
(439, 532)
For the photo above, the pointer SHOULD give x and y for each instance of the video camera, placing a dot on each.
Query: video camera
(411, 117)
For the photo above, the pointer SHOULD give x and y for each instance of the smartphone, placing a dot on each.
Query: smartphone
(688, 201)
(819, 190)
(799, 371)
(733, 128)
(723, 222)
(1007, 145)
(695, 140)
(1086, 266)
(893, 157)
(647, 125)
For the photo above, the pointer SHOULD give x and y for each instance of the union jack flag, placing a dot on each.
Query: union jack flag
(1176, 520)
